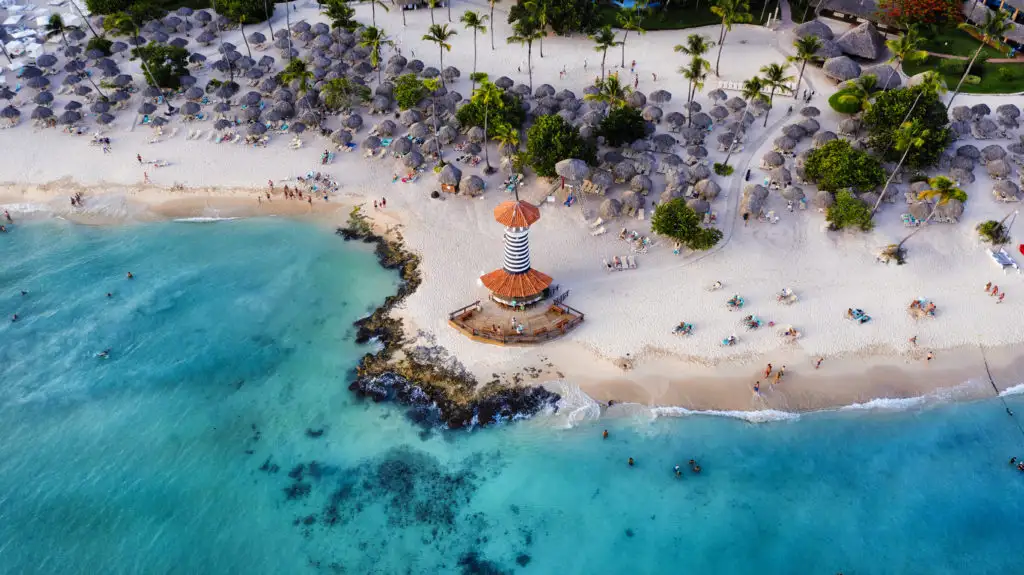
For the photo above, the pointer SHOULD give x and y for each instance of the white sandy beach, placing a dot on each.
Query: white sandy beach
(629, 312)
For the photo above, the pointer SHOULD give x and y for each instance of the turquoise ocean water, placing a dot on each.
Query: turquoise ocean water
(219, 437)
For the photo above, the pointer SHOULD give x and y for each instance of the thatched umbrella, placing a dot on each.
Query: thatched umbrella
(887, 77)
(419, 130)
(69, 117)
(772, 159)
(353, 121)
(781, 176)
(984, 129)
(636, 100)
(663, 143)
(707, 189)
(841, 68)
(371, 143)
(401, 146)
(1005, 191)
(640, 184)
(719, 113)
(610, 208)
(10, 113)
(751, 206)
(698, 205)
(998, 169)
(624, 171)
(504, 82)
(413, 159)
(980, 110)
(446, 135)
(961, 114)
(949, 211)
(410, 117)
(190, 109)
(755, 191)
(472, 185)
(961, 176)
(573, 170)
(1008, 111)
(793, 194)
(822, 138)
(794, 131)
(450, 176)
(810, 112)
(1016, 148)
(660, 97)
(810, 125)
(675, 119)
(993, 152)
(601, 179)
(701, 120)
(652, 114)
(699, 172)
(824, 199)
(736, 103)
(43, 98)
(969, 151)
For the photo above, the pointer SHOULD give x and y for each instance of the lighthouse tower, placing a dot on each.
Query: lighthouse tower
(516, 283)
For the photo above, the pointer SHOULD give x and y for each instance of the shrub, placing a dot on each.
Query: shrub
(1006, 73)
(845, 102)
(838, 166)
(551, 140)
(952, 66)
(993, 232)
(100, 43)
(972, 79)
(621, 126)
(409, 90)
(888, 112)
(674, 219)
(849, 212)
(723, 169)
(106, 6)
(167, 64)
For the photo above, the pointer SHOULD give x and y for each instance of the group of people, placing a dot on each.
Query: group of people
(694, 466)
(76, 200)
(778, 376)
(1019, 464)
(993, 290)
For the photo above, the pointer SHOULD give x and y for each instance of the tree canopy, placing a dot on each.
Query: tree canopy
(888, 112)
(849, 212)
(167, 64)
(409, 90)
(622, 125)
(551, 140)
(838, 166)
(676, 220)
(510, 112)
(340, 14)
(564, 17)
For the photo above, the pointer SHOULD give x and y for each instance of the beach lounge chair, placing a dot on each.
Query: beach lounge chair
(631, 262)
(607, 265)
(1004, 260)
(174, 132)
(597, 222)
(598, 231)
(619, 263)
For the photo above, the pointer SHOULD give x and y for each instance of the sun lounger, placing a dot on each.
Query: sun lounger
(1004, 260)
(607, 265)
(174, 132)
(631, 262)
(597, 222)
(598, 231)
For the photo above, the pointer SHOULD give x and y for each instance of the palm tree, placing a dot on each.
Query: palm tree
(340, 93)
(507, 138)
(695, 72)
(753, 89)
(629, 22)
(375, 39)
(862, 87)
(488, 96)
(492, 3)
(806, 51)
(241, 23)
(604, 38)
(432, 85)
(55, 25)
(373, 10)
(910, 135)
(775, 78)
(695, 47)
(942, 190)
(296, 71)
(449, 6)
(610, 91)
(475, 22)
(266, 12)
(906, 48)
(731, 12)
(432, 4)
(440, 35)
(994, 26)
(525, 32)
(538, 10)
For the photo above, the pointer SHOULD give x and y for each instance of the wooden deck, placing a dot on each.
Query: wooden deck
(488, 322)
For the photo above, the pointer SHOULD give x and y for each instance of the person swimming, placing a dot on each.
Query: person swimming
(130, 276)
(14, 317)
(605, 434)
(110, 294)
(677, 471)
(631, 462)
(694, 466)
(103, 354)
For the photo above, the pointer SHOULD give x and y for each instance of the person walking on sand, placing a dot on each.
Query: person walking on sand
(913, 341)
(768, 370)
(778, 378)
(1001, 296)
(995, 290)
(988, 286)
(145, 177)
(139, 158)
(930, 356)
(654, 77)
(259, 200)
(636, 82)
(817, 364)
(757, 388)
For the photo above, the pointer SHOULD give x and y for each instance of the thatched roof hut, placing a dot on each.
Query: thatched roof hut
(828, 49)
(755, 190)
(993, 152)
(984, 129)
(998, 169)
(631, 202)
(751, 206)
(962, 177)
(980, 110)
(864, 41)
(841, 68)
(624, 171)
(824, 199)
(950, 211)
(849, 127)
(810, 125)
(698, 205)
(813, 28)
(793, 194)
(771, 160)
(640, 183)
(781, 176)
(1008, 110)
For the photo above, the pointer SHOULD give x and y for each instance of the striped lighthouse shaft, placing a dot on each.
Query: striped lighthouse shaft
(517, 250)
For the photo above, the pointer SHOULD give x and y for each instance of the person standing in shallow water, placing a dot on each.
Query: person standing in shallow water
(630, 462)
(605, 434)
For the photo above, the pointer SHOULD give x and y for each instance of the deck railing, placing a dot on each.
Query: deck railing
(458, 319)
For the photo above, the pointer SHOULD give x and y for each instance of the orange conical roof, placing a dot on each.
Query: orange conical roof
(518, 214)
(511, 286)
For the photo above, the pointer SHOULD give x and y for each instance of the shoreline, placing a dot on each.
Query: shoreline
(659, 378)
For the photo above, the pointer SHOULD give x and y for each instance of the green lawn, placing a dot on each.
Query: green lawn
(957, 43)
(678, 15)
(991, 82)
